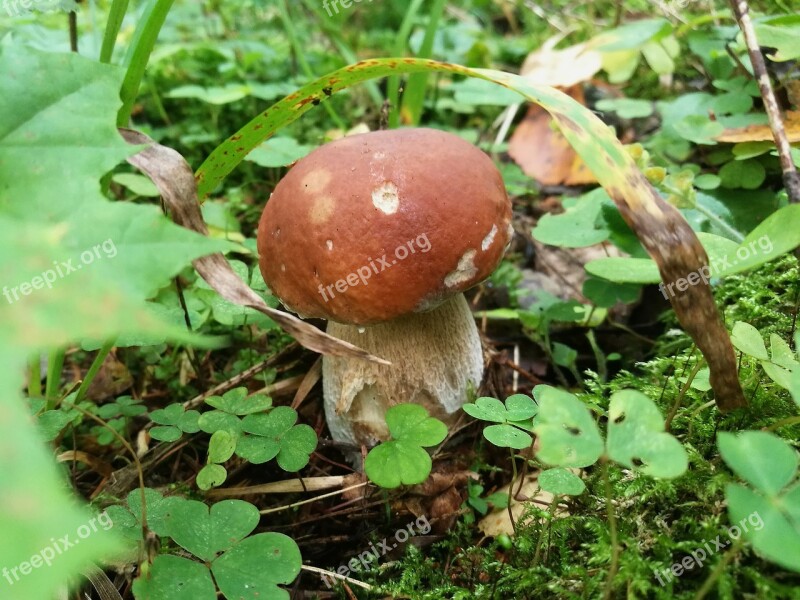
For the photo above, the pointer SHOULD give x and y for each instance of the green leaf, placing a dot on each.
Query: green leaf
(275, 434)
(138, 184)
(157, 510)
(166, 433)
(579, 226)
(568, 435)
(624, 270)
(211, 476)
(278, 152)
(627, 108)
(506, 436)
(216, 420)
(636, 437)
(520, 407)
(253, 568)
(560, 481)
(221, 446)
(207, 533)
(747, 339)
(34, 505)
(238, 402)
(487, 409)
(411, 423)
(768, 529)
(762, 459)
(296, 447)
(396, 463)
(699, 129)
(176, 578)
(747, 174)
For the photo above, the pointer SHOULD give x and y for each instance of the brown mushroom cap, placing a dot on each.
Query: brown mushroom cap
(376, 226)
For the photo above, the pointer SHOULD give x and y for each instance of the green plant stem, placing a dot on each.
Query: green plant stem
(612, 530)
(782, 423)
(291, 33)
(393, 87)
(684, 388)
(714, 575)
(540, 540)
(602, 366)
(55, 364)
(414, 97)
(144, 40)
(104, 351)
(719, 222)
(35, 375)
(115, 17)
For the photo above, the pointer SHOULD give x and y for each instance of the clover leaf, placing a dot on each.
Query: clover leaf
(243, 567)
(276, 434)
(402, 460)
(567, 432)
(515, 415)
(237, 402)
(560, 481)
(636, 437)
(768, 516)
(173, 421)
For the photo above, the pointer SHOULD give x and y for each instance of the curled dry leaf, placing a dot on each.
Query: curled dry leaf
(175, 180)
(763, 133)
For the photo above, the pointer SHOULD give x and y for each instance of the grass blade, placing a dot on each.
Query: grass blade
(115, 17)
(144, 40)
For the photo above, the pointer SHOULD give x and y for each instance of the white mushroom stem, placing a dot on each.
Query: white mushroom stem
(436, 358)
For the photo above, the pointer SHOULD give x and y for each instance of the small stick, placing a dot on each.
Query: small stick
(290, 486)
(319, 571)
(791, 179)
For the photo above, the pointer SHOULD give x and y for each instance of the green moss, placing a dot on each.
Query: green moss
(659, 522)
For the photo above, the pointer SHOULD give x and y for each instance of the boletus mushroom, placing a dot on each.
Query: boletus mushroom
(380, 234)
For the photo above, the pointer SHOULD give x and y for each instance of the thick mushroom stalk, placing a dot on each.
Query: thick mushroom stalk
(381, 234)
(436, 357)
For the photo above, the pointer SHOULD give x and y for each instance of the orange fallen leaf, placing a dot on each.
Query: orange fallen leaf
(543, 153)
(762, 133)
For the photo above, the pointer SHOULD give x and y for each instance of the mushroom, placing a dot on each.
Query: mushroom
(380, 233)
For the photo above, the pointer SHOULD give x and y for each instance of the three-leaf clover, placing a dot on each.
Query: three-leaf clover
(242, 566)
(569, 436)
(172, 422)
(402, 460)
(276, 434)
(767, 513)
(512, 418)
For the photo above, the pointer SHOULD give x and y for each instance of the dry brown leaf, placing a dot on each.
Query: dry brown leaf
(543, 153)
(170, 172)
(763, 133)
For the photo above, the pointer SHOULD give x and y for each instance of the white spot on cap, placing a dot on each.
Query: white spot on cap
(329, 244)
(465, 270)
(283, 268)
(316, 181)
(487, 241)
(385, 198)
